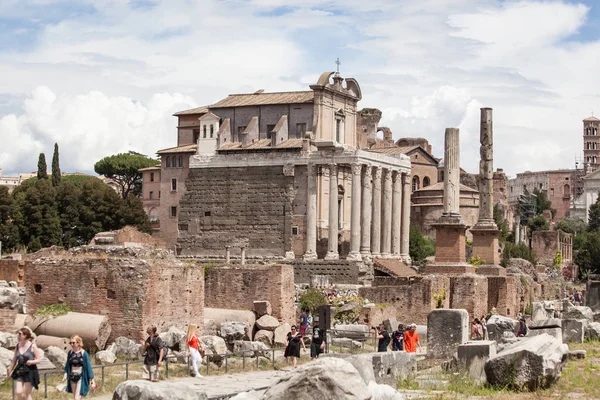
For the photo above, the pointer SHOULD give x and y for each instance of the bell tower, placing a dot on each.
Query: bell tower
(591, 142)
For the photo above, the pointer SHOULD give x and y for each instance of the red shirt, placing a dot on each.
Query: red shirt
(410, 341)
(193, 342)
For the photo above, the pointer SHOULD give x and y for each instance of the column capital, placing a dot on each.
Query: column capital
(356, 168)
(406, 178)
(378, 171)
(387, 174)
(332, 167)
(396, 176)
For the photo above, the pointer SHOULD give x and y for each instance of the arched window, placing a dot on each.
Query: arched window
(168, 162)
(415, 183)
(567, 190)
(204, 131)
(180, 162)
(212, 130)
(426, 181)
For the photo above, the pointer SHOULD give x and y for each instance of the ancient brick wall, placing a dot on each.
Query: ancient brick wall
(238, 288)
(338, 271)
(13, 270)
(413, 298)
(224, 206)
(469, 292)
(132, 291)
(545, 244)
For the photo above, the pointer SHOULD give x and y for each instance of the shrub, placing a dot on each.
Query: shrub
(312, 299)
(420, 247)
(520, 250)
(476, 261)
(53, 310)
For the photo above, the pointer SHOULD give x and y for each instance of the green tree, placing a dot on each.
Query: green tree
(124, 169)
(538, 223)
(56, 176)
(68, 205)
(100, 209)
(594, 217)
(571, 225)
(9, 233)
(420, 247)
(132, 213)
(312, 299)
(501, 222)
(542, 203)
(587, 255)
(42, 172)
(520, 250)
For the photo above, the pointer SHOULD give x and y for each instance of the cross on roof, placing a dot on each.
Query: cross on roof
(338, 62)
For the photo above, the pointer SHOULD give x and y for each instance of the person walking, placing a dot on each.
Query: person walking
(78, 370)
(292, 350)
(523, 329)
(483, 323)
(317, 345)
(411, 339)
(23, 367)
(303, 321)
(398, 338)
(476, 330)
(384, 339)
(154, 352)
(196, 349)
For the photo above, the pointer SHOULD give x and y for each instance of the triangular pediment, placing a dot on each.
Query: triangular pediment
(593, 175)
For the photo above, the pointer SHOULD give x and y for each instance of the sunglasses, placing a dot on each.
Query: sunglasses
(72, 342)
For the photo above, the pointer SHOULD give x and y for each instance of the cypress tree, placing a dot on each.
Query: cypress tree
(55, 167)
(42, 172)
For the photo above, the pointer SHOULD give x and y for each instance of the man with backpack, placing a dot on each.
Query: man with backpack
(398, 338)
(154, 353)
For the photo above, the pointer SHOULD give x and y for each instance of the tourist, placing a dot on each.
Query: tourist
(318, 340)
(303, 321)
(196, 349)
(483, 323)
(411, 339)
(398, 338)
(309, 319)
(384, 339)
(292, 350)
(154, 352)
(24, 364)
(476, 330)
(523, 329)
(79, 374)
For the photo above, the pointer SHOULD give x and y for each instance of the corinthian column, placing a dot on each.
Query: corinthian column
(311, 213)
(376, 225)
(355, 214)
(396, 212)
(332, 250)
(367, 208)
(405, 230)
(451, 174)
(386, 216)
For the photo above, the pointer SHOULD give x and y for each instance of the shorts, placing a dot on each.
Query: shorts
(303, 330)
(150, 372)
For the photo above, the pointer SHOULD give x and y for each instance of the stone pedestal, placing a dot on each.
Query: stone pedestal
(485, 243)
(446, 330)
(450, 248)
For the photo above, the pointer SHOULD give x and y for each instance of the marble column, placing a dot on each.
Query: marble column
(367, 209)
(405, 229)
(386, 215)
(451, 174)
(332, 242)
(355, 213)
(486, 171)
(376, 223)
(396, 213)
(311, 213)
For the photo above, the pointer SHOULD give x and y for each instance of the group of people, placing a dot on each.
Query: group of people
(295, 338)
(400, 340)
(78, 372)
(479, 329)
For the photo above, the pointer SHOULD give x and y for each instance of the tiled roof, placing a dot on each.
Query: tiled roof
(257, 99)
(393, 150)
(197, 110)
(592, 118)
(188, 148)
(263, 144)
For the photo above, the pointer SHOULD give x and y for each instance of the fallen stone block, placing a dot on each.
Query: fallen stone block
(56, 355)
(578, 312)
(105, 357)
(532, 363)
(125, 348)
(6, 356)
(215, 347)
(555, 332)
(446, 330)
(573, 330)
(473, 355)
(391, 324)
(174, 339)
(93, 329)
(262, 307)
(8, 340)
(165, 390)
(267, 322)
(546, 323)
(251, 349)
(539, 312)
(592, 331)
(44, 341)
(362, 362)
(231, 331)
(264, 336)
(346, 343)
(352, 331)
(280, 334)
(497, 325)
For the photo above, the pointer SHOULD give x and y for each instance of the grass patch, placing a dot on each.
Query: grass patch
(53, 310)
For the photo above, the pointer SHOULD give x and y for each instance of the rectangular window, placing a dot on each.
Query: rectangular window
(240, 130)
(300, 131)
(151, 176)
(551, 191)
(295, 230)
(173, 185)
(269, 129)
(173, 211)
(151, 195)
(338, 130)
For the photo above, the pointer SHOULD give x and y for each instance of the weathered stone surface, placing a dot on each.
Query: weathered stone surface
(6, 356)
(554, 332)
(345, 342)
(251, 349)
(545, 324)
(214, 346)
(497, 325)
(264, 336)
(262, 307)
(573, 330)
(325, 378)
(210, 327)
(105, 357)
(577, 354)
(446, 330)
(473, 356)
(231, 331)
(383, 391)
(352, 331)
(9, 297)
(578, 312)
(267, 322)
(165, 390)
(280, 335)
(524, 266)
(8, 340)
(592, 331)
(124, 348)
(362, 362)
(539, 312)
(391, 324)
(3, 373)
(174, 338)
(56, 355)
(531, 363)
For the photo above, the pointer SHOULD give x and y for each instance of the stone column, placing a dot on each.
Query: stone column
(311, 213)
(451, 174)
(386, 215)
(355, 214)
(376, 223)
(332, 243)
(243, 258)
(367, 208)
(227, 254)
(396, 213)
(405, 227)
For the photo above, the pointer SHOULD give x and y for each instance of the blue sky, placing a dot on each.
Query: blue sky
(104, 77)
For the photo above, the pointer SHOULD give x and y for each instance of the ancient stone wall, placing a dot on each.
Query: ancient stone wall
(234, 206)
(469, 292)
(545, 244)
(502, 294)
(132, 288)
(412, 297)
(239, 287)
(129, 236)
(7, 319)
(170, 199)
(337, 271)
(13, 270)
